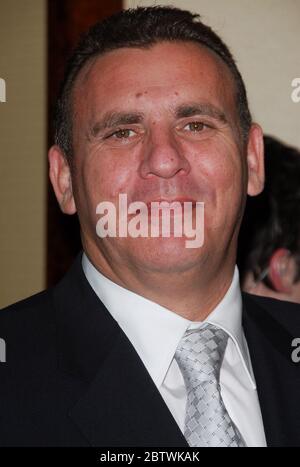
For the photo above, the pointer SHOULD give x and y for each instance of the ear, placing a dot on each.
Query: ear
(60, 176)
(255, 160)
(282, 270)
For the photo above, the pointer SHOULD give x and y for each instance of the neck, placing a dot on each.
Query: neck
(193, 293)
(259, 288)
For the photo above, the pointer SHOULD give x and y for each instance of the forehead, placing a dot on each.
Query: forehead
(163, 73)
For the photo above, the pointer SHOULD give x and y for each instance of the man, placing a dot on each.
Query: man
(269, 255)
(146, 342)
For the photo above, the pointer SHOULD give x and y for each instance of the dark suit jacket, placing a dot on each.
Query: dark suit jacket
(72, 378)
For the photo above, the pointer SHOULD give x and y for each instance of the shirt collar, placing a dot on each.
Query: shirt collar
(227, 315)
(155, 331)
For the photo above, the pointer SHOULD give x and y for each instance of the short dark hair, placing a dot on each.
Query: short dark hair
(141, 27)
(272, 219)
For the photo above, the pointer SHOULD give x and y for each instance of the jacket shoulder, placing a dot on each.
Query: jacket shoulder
(30, 306)
(27, 327)
(286, 313)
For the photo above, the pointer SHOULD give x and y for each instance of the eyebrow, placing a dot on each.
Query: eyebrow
(114, 119)
(190, 110)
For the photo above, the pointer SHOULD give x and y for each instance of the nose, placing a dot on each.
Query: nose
(163, 156)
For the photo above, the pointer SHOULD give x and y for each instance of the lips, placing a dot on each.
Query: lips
(170, 201)
(159, 209)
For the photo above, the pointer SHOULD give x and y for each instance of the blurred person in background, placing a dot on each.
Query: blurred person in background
(269, 243)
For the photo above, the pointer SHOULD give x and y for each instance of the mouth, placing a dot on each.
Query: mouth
(164, 203)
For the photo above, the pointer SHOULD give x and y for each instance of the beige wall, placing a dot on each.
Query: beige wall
(264, 36)
(22, 148)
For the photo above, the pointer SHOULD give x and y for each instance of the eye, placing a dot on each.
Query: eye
(195, 127)
(122, 137)
(122, 134)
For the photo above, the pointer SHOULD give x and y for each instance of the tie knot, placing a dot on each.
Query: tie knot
(200, 353)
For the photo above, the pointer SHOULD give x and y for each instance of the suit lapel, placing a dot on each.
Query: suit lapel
(122, 407)
(277, 377)
(119, 405)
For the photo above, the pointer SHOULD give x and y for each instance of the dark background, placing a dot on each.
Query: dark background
(67, 20)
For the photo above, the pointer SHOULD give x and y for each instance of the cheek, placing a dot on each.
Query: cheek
(219, 170)
(104, 177)
(222, 175)
(220, 167)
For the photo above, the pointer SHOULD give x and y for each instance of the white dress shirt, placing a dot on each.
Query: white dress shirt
(155, 333)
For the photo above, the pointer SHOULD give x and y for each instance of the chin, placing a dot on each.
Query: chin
(165, 254)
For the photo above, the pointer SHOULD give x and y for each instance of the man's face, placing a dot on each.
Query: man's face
(159, 123)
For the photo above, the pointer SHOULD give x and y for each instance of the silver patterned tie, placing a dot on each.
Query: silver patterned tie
(199, 356)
